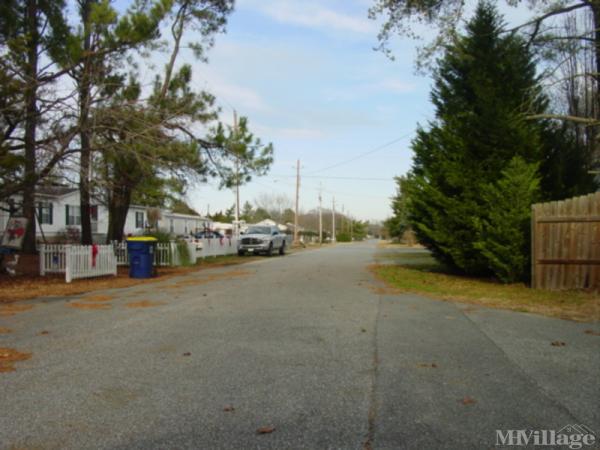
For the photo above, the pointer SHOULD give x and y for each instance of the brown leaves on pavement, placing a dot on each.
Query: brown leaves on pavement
(10, 309)
(4, 330)
(557, 344)
(265, 430)
(80, 305)
(228, 408)
(427, 365)
(144, 304)
(592, 332)
(468, 400)
(8, 356)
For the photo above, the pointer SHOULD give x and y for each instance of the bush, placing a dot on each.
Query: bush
(343, 236)
(504, 236)
(184, 253)
(161, 236)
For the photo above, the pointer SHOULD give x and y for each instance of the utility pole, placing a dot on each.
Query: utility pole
(333, 222)
(237, 176)
(320, 217)
(297, 201)
(351, 228)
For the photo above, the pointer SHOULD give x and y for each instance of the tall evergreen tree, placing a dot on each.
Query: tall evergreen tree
(484, 85)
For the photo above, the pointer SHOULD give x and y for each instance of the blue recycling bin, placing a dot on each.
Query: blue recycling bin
(141, 256)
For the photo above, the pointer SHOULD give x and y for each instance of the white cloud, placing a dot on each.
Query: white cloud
(242, 97)
(311, 15)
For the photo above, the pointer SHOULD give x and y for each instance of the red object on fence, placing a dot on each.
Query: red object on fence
(94, 254)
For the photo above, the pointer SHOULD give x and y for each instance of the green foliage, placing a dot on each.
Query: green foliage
(567, 163)
(226, 216)
(503, 235)
(359, 229)
(183, 251)
(398, 223)
(343, 236)
(162, 236)
(484, 85)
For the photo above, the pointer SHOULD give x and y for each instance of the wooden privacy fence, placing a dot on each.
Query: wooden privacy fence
(565, 244)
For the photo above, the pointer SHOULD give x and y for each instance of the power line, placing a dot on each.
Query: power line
(337, 178)
(362, 155)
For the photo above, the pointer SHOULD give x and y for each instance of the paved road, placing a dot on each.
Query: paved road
(304, 344)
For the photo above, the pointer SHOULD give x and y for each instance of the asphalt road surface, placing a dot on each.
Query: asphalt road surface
(305, 346)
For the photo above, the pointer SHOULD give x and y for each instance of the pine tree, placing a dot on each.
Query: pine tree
(484, 85)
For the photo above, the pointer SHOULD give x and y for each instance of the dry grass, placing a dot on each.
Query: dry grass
(574, 305)
(26, 287)
(9, 356)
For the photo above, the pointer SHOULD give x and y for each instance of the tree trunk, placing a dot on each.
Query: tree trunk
(118, 207)
(595, 5)
(85, 131)
(30, 125)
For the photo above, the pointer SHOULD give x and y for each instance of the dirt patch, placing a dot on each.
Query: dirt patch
(4, 330)
(98, 298)
(9, 356)
(144, 304)
(80, 305)
(11, 309)
(30, 285)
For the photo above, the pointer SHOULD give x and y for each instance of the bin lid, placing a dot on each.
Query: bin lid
(142, 239)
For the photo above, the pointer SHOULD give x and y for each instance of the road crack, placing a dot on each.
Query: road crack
(373, 401)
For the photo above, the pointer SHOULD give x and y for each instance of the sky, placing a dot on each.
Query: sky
(306, 76)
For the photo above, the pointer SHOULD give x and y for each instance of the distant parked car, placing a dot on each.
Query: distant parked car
(208, 235)
(262, 239)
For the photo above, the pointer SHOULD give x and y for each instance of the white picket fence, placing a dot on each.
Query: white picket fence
(167, 254)
(78, 261)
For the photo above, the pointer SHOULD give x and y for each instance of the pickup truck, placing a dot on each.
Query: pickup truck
(262, 239)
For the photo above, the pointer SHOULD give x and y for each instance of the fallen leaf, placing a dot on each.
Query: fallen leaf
(428, 365)
(592, 332)
(228, 408)
(265, 430)
(44, 332)
(558, 344)
(364, 330)
(468, 400)
(5, 330)
(187, 354)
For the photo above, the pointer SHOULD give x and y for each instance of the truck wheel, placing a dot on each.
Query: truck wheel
(270, 250)
(282, 249)
(241, 252)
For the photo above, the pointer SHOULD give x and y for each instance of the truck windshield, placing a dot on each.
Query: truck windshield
(259, 230)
